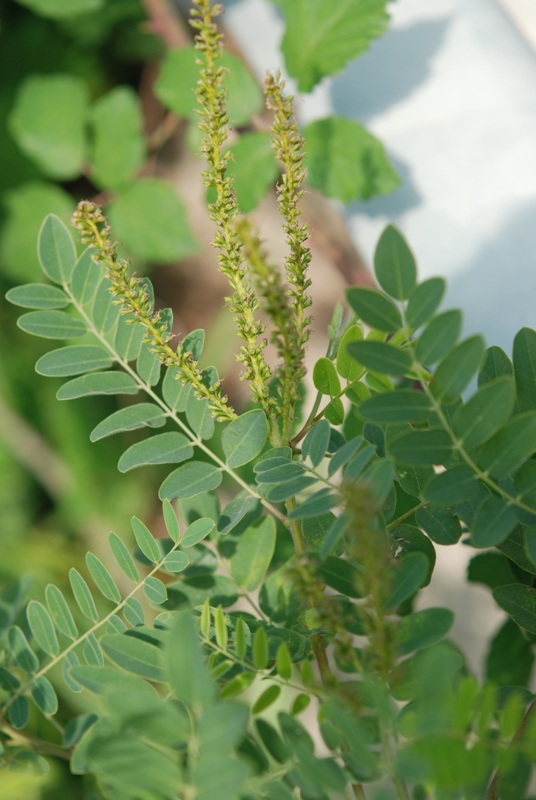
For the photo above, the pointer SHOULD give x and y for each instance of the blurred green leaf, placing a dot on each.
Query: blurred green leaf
(495, 519)
(187, 669)
(60, 612)
(408, 577)
(254, 169)
(42, 628)
(347, 367)
(422, 447)
(495, 364)
(61, 9)
(48, 123)
(135, 655)
(423, 629)
(519, 602)
(44, 696)
(118, 147)
(253, 554)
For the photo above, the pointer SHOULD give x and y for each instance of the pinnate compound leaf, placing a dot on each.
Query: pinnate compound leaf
(145, 540)
(320, 38)
(135, 655)
(423, 629)
(440, 525)
(197, 531)
(494, 521)
(73, 360)
(123, 557)
(424, 301)
(403, 405)
(486, 412)
(56, 250)
(82, 595)
(60, 612)
(189, 480)
(244, 438)
(347, 367)
(453, 486)
(510, 447)
(519, 602)
(178, 80)
(151, 221)
(155, 590)
(38, 296)
(346, 161)
(42, 628)
(394, 264)
(422, 447)
(141, 415)
(112, 382)
(52, 325)
(458, 368)
(374, 308)
(381, 357)
(48, 123)
(524, 357)
(102, 578)
(494, 365)
(44, 696)
(253, 554)
(163, 448)
(86, 278)
(325, 377)
(439, 336)
(118, 147)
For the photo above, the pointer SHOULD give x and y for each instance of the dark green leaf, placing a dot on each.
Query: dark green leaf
(440, 525)
(519, 602)
(8, 681)
(253, 554)
(254, 168)
(244, 438)
(514, 547)
(82, 595)
(495, 519)
(496, 364)
(44, 696)
(510, 447)
(60, 612)
(86, 278)
(491, 569)
(283, 491)
(22, 653)
(318, 503)
(135, 655)
(341, 575)
(37, 295)
(346, 161)
(510, 657)
(410, 574)
(487, 411)
(104, 581)
(272, 741)
(344, 454)
(48, 123)
(524, 357)
(404, 405)
(394, 264)
(130, 418)
(453, 486)
(320, 38)
(145, 540)
(530, 543)
(422, 447)
(162, 448)
(423, 301)
(381, 357)
(151, 221)
(423, 629)
(42, 627)
(73, 360)
(112, 382)
(278, 596)
(347, 367)
(118, 147)
(19, 712)
(457, 369)
(407, 540)
(190, 479)
(374, 308)
(439, 336)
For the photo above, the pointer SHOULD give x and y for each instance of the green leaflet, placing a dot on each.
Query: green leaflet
(171, 521)
(253, 553)
(381, 357)
(495, 364)
(37, 295)
(403, 405)
(52, 325)
(341, 575)
(104, 581)
(82, 595)
(174, 392)
(197, 531)
(316, 504)
(22, 653)
(190, 479)
(42, 628)
(266, 699)
(155, 590)
(148, 365)
(320, 38)
(316, 442)
(86, 278)
(495, 519)
(133, 612)
(123, 557)
(374, 308)
(244, 438)
(453, 486)
(410, 574)
(510, 447)
(422, 447)
(423, 629)
(423, 301)
(524, 358)
(19, 712)
(519, 602)
(112, 382)
(199, 417)
(135, 655)
(73, 360)
(487, 411)
(92, 651)
(457, 369)
(347, 367)
(325, 377)
(44, 696)
(56, 250)
(162, 448)
(104, 312)
(394, 264)
(439, 336)
(176, 561)
(131, 418)
(145, 540)
(118, 146)
(128, 337)
(60, 612)
(440, 525)
(407, 540)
